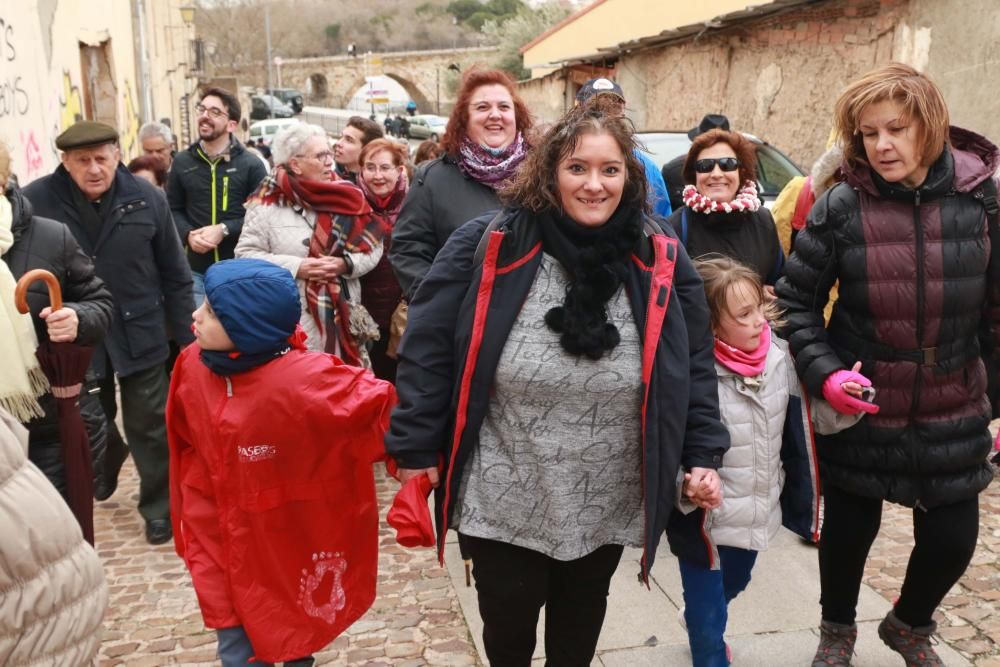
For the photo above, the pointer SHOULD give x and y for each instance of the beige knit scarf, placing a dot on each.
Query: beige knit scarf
(21, 379)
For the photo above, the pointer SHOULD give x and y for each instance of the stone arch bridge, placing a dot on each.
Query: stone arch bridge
(332, 81)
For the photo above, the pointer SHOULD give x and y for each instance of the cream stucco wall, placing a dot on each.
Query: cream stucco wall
(42, 86)
(609, 22)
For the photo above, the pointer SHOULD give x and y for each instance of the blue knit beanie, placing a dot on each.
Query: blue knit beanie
(256, 301)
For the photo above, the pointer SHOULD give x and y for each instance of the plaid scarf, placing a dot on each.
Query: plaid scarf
(489, 167)
(344, 223)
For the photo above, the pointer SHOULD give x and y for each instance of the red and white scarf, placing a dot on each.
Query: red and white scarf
(745, 200)
(344, 223)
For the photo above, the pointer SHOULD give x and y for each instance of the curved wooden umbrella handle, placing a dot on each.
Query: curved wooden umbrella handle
(21, 292)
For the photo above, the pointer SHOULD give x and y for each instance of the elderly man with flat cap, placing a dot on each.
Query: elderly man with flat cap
(657, 188)
(124, 224)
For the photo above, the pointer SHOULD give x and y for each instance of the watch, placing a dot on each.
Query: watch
(225, 230)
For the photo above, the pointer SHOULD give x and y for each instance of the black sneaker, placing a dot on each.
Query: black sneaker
(158, 531)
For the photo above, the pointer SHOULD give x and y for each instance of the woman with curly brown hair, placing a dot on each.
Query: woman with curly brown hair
(722, 214)
(485, 142)
(574, 335)
(906, 236)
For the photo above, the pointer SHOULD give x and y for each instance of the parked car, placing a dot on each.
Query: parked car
(427, 126)
(264, 130)
(289, 96)
(774, 168)
(269, 106)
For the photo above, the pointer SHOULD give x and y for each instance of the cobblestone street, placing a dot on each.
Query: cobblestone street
(153, 617)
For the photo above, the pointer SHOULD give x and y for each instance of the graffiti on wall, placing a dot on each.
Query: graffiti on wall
(70, 103)
(14, 100)
(130, 129)
(34, 161)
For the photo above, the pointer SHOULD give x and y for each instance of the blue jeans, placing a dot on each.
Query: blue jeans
(707, 594)
(198, 288)
(235, 650)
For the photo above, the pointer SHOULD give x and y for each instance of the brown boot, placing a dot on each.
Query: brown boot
(914, 644)
(836, 644)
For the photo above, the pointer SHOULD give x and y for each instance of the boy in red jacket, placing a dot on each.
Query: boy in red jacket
(272, 494)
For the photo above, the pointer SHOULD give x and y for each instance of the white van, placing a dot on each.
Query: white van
(264, 130)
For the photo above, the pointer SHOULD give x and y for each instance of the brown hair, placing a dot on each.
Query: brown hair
(535, 185)
(228, 100)
(370, 130)
(151, 163)
(742, 146)
(395, 149)
(427, 150)
(916, 95)
(720, 275)
(4, 166)
(458, 122)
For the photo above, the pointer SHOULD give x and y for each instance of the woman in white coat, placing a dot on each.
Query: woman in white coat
(322, 231)
(54, 593)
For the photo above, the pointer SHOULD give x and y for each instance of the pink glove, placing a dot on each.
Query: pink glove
(843, 402)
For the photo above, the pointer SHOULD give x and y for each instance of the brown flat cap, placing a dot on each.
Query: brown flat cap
(86, 133)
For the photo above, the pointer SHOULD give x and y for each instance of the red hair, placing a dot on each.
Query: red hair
(153, 164)
(458, 122)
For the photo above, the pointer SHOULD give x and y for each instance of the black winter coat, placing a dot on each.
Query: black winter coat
(40, 243)
(140, 260)
(749, 238)
(441, 199)
(912, 266)
(201, 194)
(459, 321)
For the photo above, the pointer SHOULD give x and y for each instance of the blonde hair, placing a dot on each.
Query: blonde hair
(720, 275)
(4, 166)
(916, 95)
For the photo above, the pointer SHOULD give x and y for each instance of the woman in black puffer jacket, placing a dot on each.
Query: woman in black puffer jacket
(906, 235)
(40, 243)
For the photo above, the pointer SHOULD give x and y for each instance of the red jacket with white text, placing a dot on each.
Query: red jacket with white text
(272, 495)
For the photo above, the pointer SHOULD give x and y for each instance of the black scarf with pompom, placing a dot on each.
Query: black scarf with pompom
(595, 259)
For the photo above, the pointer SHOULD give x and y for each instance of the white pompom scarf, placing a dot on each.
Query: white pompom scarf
(745, 200)
(21, 379)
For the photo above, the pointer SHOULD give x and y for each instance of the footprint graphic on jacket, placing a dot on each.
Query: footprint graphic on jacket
(324, 564)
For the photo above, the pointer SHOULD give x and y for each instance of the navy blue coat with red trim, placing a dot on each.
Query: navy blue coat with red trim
(461, 316)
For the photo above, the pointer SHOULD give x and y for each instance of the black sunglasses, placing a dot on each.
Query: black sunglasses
(706, 165)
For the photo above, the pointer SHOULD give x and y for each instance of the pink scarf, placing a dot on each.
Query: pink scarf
(747, 364)
(745, 200)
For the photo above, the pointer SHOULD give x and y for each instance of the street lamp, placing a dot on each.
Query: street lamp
(187, 14)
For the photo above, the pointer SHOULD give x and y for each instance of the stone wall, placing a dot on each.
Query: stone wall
(777, 77)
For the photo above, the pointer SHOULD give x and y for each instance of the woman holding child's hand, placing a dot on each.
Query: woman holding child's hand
(557, 369)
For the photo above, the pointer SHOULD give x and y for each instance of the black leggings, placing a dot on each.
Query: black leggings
(945, 539)
(513, 583)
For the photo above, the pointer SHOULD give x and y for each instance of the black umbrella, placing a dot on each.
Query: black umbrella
(65, 365)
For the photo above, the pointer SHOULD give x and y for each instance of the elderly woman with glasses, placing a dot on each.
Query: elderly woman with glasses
(722, 214)
(322, 230)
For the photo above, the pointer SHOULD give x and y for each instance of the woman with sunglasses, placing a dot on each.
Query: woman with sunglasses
(722, 213)
(322, 230)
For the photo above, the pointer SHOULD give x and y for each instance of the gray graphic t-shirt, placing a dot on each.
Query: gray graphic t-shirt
(558, 468)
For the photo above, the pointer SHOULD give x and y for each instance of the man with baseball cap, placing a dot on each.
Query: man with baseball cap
(123, 223)
(657, 188)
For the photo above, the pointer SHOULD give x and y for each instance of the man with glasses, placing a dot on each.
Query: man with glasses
(209, 182)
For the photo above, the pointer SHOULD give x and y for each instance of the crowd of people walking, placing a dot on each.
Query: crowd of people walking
(521, 322)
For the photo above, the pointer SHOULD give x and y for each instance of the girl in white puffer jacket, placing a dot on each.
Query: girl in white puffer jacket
(769, 473)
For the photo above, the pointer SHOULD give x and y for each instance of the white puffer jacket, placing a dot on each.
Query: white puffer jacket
(52, 589)
(752, 472)
(281, 235)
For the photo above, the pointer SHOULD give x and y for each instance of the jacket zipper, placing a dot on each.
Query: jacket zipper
(917, 385)
(211, 166)
(225, 194)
